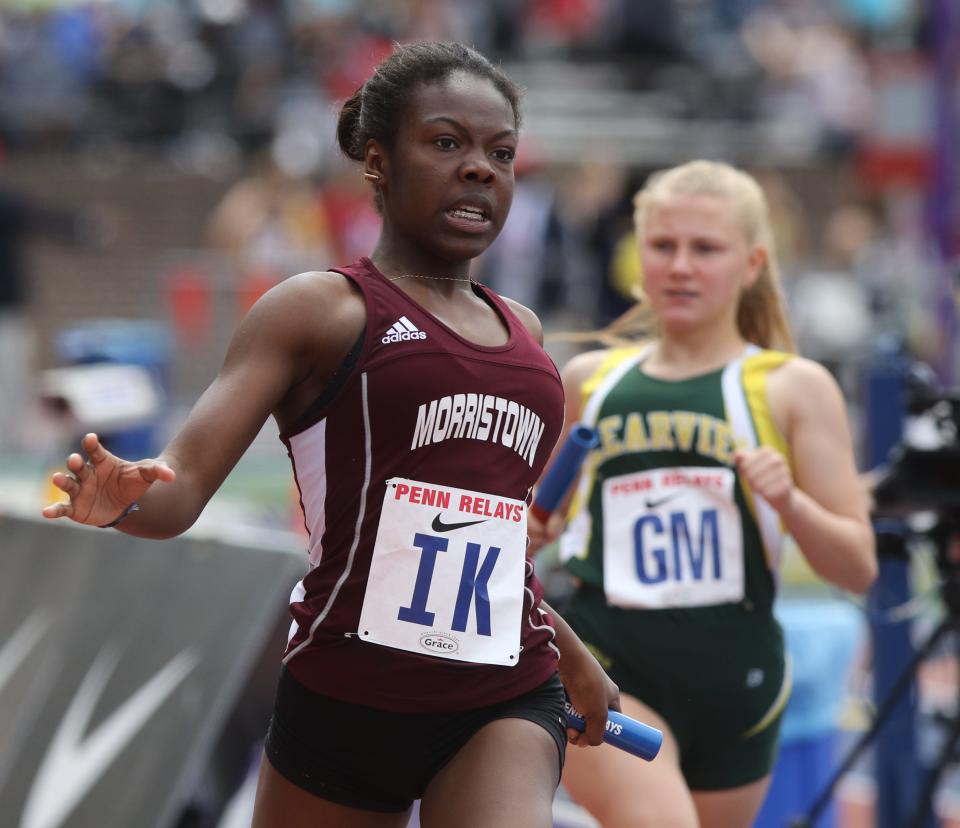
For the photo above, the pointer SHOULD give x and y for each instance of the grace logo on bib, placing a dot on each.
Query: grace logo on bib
(438, 642)
(447, 574)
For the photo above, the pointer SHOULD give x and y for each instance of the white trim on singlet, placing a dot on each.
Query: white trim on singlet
(312, 483)
(576, 536)
(297, 594)
(744, 433)
(592, 408)
(368, 465)
(735, 401)
(546, 626)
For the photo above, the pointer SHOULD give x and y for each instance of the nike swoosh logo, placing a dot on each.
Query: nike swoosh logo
(653, 504)
(74, 763)
(24, 640)
(439, 526)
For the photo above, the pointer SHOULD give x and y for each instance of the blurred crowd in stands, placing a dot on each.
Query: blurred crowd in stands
(247, 71)
(244, 92)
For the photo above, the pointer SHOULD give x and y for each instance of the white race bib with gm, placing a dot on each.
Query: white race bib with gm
(447, 575)
(672, 538)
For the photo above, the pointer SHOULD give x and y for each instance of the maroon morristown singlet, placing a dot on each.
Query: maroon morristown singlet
(425, 404)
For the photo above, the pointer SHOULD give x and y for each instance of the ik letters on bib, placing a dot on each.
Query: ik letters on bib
(447, 574)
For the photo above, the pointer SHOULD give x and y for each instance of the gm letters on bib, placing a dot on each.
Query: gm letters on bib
(672, 538)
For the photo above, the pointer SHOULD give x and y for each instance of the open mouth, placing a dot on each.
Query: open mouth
(476, 215)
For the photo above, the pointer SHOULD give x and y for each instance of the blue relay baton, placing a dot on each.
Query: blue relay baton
(622, 732)
(581, 439)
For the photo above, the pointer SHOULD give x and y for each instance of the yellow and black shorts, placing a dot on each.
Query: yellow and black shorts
(718, 676)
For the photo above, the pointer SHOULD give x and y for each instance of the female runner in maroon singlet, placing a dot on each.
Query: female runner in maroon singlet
(418, 410)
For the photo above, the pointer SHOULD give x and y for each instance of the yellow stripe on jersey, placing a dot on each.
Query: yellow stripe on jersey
(610, 361)
(756, 369)
(575, 541)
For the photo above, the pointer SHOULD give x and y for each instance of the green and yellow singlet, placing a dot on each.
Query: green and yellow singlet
(660, 518)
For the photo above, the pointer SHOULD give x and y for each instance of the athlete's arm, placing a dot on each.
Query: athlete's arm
(822, 504)
(295, 336)
(588, 687)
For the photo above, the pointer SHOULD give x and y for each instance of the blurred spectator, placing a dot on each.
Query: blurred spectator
(271, 225)
(829, 303)
(528, 260)
(354, 224)
(22, 217)
(137, 98)
(788, 220)
(900, 278)
(816, 72)
(47, 64)
(603, 213)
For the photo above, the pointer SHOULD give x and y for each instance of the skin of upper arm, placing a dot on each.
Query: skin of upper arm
(299, 328)
(574, 374)
(808, 405)
(577, 371)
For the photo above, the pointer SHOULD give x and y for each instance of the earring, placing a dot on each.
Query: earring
(372, 177)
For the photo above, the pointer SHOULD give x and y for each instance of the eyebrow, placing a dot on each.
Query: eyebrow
(454, 122)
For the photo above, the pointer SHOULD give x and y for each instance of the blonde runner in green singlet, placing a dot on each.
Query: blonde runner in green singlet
(715, 441)
(662, 524)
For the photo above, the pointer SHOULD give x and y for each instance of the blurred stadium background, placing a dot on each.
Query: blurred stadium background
(163, 162)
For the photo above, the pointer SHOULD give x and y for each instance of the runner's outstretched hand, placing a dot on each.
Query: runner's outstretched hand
(103, 487)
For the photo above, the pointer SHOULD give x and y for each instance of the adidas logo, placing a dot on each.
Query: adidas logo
(402, 330)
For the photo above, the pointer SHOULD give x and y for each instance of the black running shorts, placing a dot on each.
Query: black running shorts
(378, 760)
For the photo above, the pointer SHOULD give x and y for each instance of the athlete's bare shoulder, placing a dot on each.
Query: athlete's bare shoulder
(302, 302)
(328, 284)
(310, 321)
(526, 316)
(802, 389)
(582, 366)
(306, 324)
(801, 379)
(310, 286)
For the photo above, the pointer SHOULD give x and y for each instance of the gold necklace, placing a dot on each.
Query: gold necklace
(421, 276)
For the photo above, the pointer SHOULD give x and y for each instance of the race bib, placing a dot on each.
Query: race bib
(447, 575)
(672, 538)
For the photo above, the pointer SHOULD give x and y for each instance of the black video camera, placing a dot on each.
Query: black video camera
(924, 470)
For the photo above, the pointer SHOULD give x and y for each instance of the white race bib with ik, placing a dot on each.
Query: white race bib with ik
(672, 538)
(447, 575)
